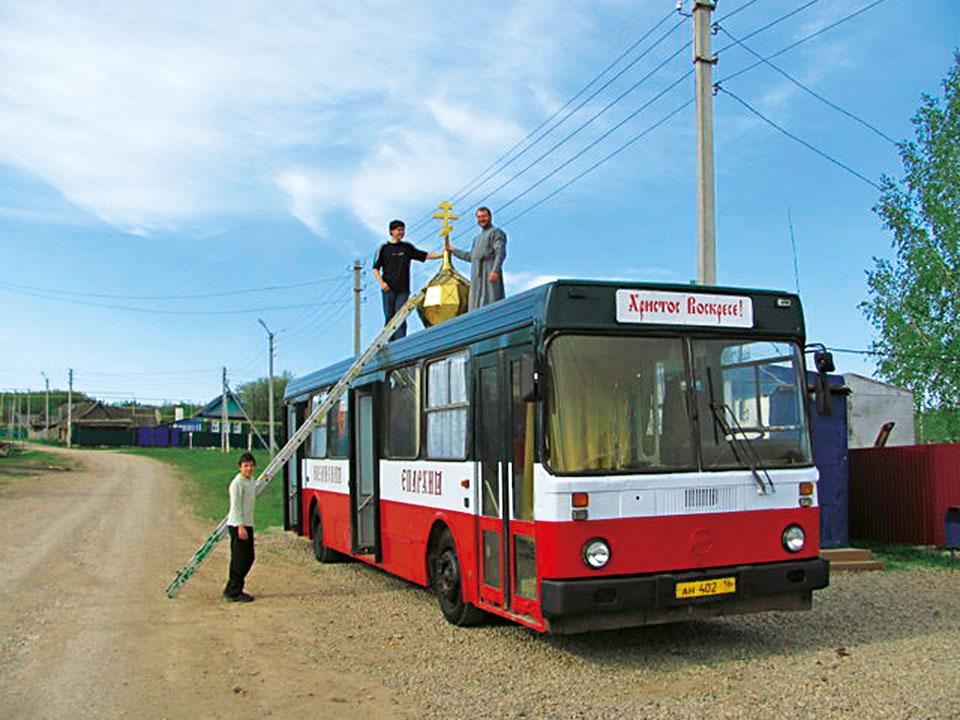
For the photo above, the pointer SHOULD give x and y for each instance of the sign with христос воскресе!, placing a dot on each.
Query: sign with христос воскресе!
(684, 308)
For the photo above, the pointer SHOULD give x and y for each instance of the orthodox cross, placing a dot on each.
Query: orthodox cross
(446, 216)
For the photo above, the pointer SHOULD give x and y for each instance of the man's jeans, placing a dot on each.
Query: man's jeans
(393, 301)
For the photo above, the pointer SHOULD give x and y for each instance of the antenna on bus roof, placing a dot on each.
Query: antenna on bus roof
(299, 437)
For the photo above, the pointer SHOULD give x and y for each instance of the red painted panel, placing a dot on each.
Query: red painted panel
(678, 542)
(901, 494)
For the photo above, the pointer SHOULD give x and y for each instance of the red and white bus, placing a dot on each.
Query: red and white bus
(584, 455)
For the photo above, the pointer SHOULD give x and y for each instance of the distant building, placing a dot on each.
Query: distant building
(210, 417)
(873, 403)
(95, 415)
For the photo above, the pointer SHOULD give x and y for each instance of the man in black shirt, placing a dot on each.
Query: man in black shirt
(392, 271)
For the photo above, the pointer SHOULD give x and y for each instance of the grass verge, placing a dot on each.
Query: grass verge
(909, 557)
(208, 474)
(17, 459)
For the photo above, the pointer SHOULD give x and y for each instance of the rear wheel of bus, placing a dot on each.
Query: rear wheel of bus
(446, 579)
(320, 551)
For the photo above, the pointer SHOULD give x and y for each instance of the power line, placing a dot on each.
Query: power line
(738, 10)
(806, 89)
(802, 40)
(753, 33)
(159, 311)
(592, 119)
(798, 139)
(194, 296)
(601, 138)
(600, 162)
(463, 191)
(896, 355)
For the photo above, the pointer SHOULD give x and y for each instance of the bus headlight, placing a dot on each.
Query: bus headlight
(793, 538)
(596, 553)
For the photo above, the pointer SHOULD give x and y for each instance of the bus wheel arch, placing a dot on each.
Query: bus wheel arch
(321, 552)
(445, 578)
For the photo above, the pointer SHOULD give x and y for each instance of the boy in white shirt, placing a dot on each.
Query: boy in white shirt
(240, 524)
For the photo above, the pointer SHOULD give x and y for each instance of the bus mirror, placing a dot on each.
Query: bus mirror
(528, 377)
(823, 361)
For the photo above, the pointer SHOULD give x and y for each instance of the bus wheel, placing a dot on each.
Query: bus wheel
(447, 581)
(320, 551)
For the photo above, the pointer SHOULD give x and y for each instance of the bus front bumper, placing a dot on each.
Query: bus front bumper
(572, 606)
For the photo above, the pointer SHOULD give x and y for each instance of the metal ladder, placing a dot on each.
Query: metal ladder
(299, 437)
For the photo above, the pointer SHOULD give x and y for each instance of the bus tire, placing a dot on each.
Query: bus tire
(321, 552)
(446, 580)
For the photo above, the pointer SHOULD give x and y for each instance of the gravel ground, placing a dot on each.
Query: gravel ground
(85, 632)
(877, 645)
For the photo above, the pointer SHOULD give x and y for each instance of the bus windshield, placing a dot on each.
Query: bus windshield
(617, 404)
(750, 391)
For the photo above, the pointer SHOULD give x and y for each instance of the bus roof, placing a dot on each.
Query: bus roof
(567, 304)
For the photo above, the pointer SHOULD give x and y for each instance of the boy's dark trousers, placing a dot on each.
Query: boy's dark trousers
(241, 560)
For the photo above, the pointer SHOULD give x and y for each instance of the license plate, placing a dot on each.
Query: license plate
(703, 588)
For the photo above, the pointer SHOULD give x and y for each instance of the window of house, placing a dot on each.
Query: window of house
(447, 408)
(401, 438)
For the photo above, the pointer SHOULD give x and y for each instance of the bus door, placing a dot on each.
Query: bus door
(295, 417)
(363, 476)
(504, 451)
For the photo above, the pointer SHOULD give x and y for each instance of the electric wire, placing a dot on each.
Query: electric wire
(159, 311)
(192, 296)
(600, 162)
(809, 90)
(751, 34)
(616, 127)
(802, 40)
(738, 10)
(800, 140)
(463, 191)
(593, 118)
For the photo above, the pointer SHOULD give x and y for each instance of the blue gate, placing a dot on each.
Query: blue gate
(828, 435)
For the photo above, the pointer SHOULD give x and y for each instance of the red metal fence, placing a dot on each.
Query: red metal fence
(901, 494)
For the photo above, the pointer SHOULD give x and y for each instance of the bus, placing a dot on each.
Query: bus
(584, 455)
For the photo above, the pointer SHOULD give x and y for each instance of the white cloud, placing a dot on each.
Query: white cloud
(154, 116)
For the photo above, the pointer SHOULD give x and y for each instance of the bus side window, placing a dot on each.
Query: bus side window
(447, 408)
(317, 447)
(338, 429)
(401, 437)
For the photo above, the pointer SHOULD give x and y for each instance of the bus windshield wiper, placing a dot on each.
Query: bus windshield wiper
(744, 451)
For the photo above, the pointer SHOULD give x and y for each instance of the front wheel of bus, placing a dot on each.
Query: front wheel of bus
(447, 581)
(320, 551)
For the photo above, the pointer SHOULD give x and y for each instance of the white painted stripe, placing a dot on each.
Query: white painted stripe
(327, 475)
(434, 484)
(628, 496)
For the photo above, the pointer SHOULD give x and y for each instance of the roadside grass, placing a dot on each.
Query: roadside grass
(208, 474)
(17, 459)
(910, 557)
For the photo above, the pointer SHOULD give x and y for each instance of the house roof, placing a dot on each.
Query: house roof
(212, 409)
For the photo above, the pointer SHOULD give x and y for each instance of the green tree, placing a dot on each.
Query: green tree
(914, 300)
(255, 396)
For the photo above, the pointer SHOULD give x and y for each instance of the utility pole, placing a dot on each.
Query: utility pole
(29, 424)
(356, 308)
(70, 408)
(270, 336)
(224, 437)
(704, 60)
(46, 406)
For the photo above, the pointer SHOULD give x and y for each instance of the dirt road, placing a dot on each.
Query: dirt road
(85, 632)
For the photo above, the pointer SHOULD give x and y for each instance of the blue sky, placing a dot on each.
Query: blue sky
(159, 166)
